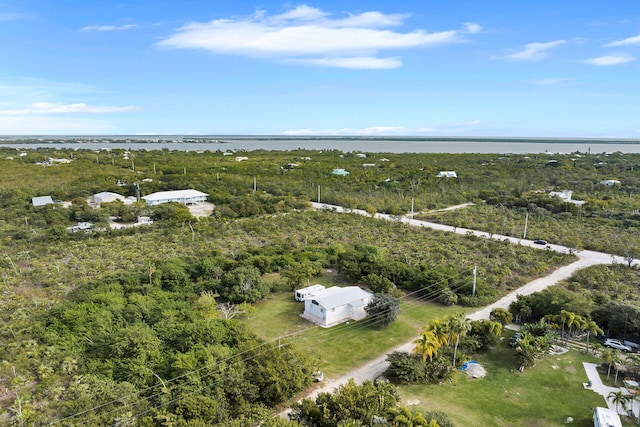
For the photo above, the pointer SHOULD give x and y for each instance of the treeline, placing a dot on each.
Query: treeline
(607, 295)
(151, 347)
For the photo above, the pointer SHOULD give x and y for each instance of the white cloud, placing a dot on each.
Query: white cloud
(45, 108)
(610, 59)
(309, 35)
(107, 27)
(361, 62)
(625, 42)
(535, 51)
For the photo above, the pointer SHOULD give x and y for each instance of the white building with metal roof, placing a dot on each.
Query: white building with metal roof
(336, 305)
(186, 197)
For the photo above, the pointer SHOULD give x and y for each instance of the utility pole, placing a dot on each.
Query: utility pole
(255, 184)
(412, 208)
(475, 275)
(526, 222)
(318, 193)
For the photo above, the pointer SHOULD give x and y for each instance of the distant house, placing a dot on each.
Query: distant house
(336, 305)
(142, 220)
(368, 165)
(42, 201)
(106, 197)
(341, 172)
(565, 196)
(361, 156)
(82, 226)
(610, 182)
(241, 158)
(447, 174)
(186, 197)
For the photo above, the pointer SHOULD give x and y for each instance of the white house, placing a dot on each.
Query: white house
(42, 201)
(610, 182)
(336, 305)
(565, 195)
(447, 174)
(106, 197)
(186, 197)
(339, 171)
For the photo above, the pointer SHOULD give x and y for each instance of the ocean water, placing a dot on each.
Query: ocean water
(345, 144)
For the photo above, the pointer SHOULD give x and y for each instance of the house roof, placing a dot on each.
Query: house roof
(105, 195)
(175, 195)
(335, 297)
(42, 200)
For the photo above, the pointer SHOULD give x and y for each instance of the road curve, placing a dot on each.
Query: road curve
(376, 367)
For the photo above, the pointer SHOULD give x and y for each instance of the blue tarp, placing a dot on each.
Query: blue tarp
(466, 364)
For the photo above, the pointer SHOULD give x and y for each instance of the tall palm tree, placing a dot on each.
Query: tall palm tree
(439, 329)
(618, 398)
(589, 326)
(611, 357)
(457, 325)
(427, 345)
(566, 317)
(575, 322)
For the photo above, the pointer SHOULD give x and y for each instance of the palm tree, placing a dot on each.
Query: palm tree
(619, 399)
(610, 357)
(439, 329)
(457, 325)
(575, 321)
(405, 417)
(427, 345)
(589, 326)
(566, 317)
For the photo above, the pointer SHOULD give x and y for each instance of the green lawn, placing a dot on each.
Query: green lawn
(343, 347)
(545, 395)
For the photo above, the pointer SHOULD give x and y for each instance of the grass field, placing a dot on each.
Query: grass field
(542, 396)
(343, 347)
(545, 395)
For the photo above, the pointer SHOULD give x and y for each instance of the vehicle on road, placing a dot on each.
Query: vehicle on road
(617, 344)
(540, 242)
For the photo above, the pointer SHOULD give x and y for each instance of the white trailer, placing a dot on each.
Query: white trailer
(308, 292)
(605, 417)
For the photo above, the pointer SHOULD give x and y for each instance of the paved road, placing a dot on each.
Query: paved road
(376, 367)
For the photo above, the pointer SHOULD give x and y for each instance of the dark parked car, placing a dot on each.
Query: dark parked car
(540, 242)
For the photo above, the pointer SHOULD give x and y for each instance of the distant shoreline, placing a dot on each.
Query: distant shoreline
(225, 139)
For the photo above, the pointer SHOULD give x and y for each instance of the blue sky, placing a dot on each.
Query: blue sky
(445, 68)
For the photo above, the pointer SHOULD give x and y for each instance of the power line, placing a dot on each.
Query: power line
(412, 299)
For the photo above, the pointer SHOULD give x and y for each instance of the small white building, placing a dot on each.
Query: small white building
(340, 172)
(106, 197)
(308, 292)
(447, 174)
(42, 201)
(610, 182)
(186, 197)
(361, 156)
(564, 195)
(336, 305)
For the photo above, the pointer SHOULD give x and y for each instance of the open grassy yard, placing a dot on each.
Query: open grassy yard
(545, 395)
(342, 347)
